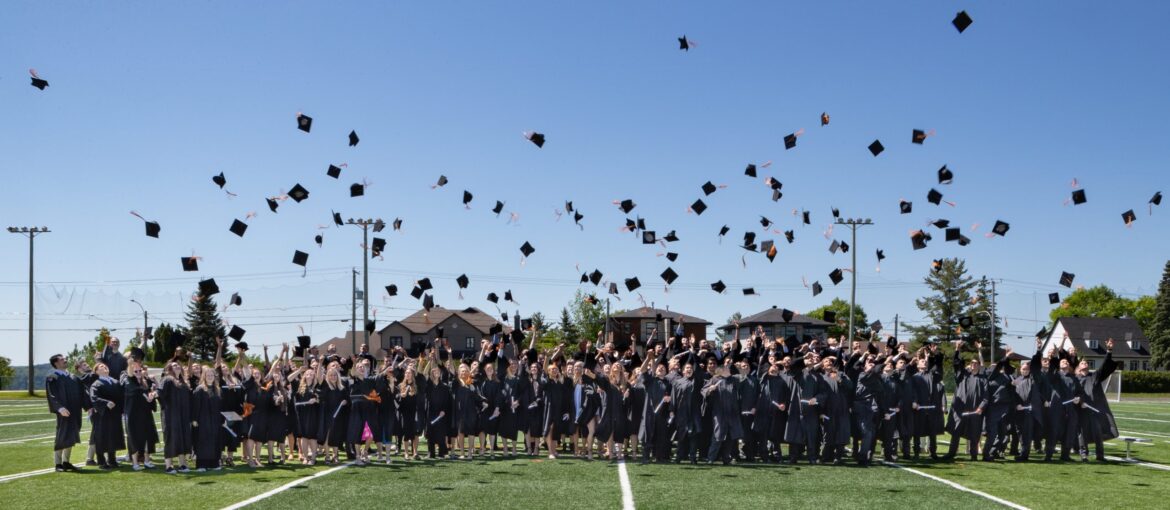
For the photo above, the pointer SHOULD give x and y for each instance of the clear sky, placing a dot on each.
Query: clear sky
(148, 100)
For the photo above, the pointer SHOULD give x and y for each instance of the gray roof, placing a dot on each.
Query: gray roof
(774, 315)
(650, 313)
(423, 321)
(1102, 329)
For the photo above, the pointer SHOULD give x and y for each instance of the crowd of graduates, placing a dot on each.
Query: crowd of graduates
(676, 399)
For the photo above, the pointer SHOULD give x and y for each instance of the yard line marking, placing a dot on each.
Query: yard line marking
(954, 485)
(627, 492)
(285, 487)
(1140, 419)
(1151, 434)
(8, 478)
(2, 415)
(25, 422)
(1140, 463)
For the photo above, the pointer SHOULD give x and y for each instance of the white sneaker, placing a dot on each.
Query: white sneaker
(136, 467)
(201, 470)
(148, 465)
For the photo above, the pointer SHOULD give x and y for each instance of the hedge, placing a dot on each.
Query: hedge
(1139, 381)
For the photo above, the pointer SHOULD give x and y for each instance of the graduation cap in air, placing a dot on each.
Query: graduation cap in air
(941, 223)
(595, 276)
(208, 287)
(724, 230)
(787, 314)
(880, 255)
(397, 223)
(462, 280)
(698, 207)
(1128, 217)
(824, 118)
(670, 237)
(537, 139)
(749, 291)
(499, 208)
(334, 171)
(790, 236)
(876, 148)
(300, 258)
(1078, 197)
(829, 316)
(834, 246)
(790, 141)
(416, 292)
(961, 21)
(671, 256)
(508, 296)
(1053, 299)
(428, 302)
(236, 299)
(152, 229)
(684, 44)
(303, 343)
(632, 284)
(577, 217)
(749, 241)
(613, 288)
(918, 239)
(1000, 228)
(39, 83)
(750, 171)
(1157, 198)
(189, 263)
(137, 354)
(964, 240)
(392, 290)
(424, 284)
(709, 188)
(934, 197)
(298, 193)
(357, 189)
(966, 321)
(648, 237)
(806, 217)
(669, 276)
(467, 197)
(272, 204)
(353, 139)
(584, 278)
(769, 249)
(304, 122)
(525, 324)
(237, 333)
(379, 225)
(640, 224)
(816, 288)
(442, 182)
(527, 249)
(493, 297)
(337, 218)
(319, 239)
(892, 342)
(918, 136)
(219, 180)
(371, 325)
(875, 326)
(627, 205)
(905, 207)
(718, 287)
(836, 276)
(945, 175)
(765, 222)
(836, 212)
(1066, 278)
(238, 228)
(953, 234)
(378, 247)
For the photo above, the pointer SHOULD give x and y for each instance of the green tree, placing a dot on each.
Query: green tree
(724, 336)
(568, 330)
(981, 312)
(1101, 301)
(204, 326)
(162, 348)
(841, 307)
(1159, 331)
(588, 318)
(952, 288)
(6, 373)
(87, 351)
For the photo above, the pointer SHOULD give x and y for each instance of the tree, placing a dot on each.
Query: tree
(6, 372)
(981, 313)
(840, 327)
(1159, 331)
(1101, 301)
(163, 346)
(724, 336)
(568, 330)
(588, 318)
(89, 350)
(203, 325)
(951, 300)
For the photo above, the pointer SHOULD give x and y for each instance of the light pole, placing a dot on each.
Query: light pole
(31, 233)
(853, 224)
(145, 322)
(365, 224)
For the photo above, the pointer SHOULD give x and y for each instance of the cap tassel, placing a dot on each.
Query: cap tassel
(766, 164)
(33, 72)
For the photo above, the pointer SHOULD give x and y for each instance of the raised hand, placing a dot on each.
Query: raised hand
(1109, 344)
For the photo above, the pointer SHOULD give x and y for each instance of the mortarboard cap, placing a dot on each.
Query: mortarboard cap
(641, 224)
(442, 181)
(219, 180)
(790, 236)
(462, 280)
(669, 275)
(334, 171)
(371, 325)
(953, 234)
(945, 175)
(723, 231)
(836, 212)
(918, 239)
(304, 122)
(880, 255)
(595, 276)
(776, 195)
(378, 247)
(319, 239)
(750, 171)
(806, 217)
(1066, 278)
(718, 286)
(424, 284)
(648, 237)
(397, 223)
(238, 228)
(699, 207)
(684, 44)
(876, 326)
(272, 204)
(790, 141)
(933, 196)
(1078, 197)
(1000, 227)
(829, 316)
(786, 314)
(137, 353)
(152, 229)
(966, 321)
(961, 21)
(627, 205)
(499, 208)
(357, 189)
(189, 263)
(834, 246)
(709, 188)
(237, 333)
(416, 292)
(964, 240)
(765, 222)
(298, 193)
(208, 287)
(918, 136)
(392, 289)
(824, 118)
(749, 291)
(836, 276)
(39, 83)
(353, 139)
(243, 346)
(537, 139)
(816, 288)
(493, 297)
(613, 288)
(236, 299)
(906, 207)
(671, 256)
(508, 296)
(632, 284)
(1128, 217)
(892, 342)
(428, 302)
(467, 196)
(300, 258)
(1053, 299)
(525, 324)
(671, 237)
(527, 249)
(379, 225)
(1157, 198)
(941, 223)
(876, 148)
(337, 218)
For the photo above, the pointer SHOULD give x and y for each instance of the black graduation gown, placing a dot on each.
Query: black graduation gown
(438, 408)
(747, 391)
(1097, 425)
(687, 418)
(115, 361)
(175, 398)
(363, 411)
(334, 415)
(837, 426)
(307, 408)
(280, 421)
(531, 410)
(256, 424)
(231, 400)
(141, 432)
(509, 418)
(107, 427)
(611, 416)
(770, 420)
(970, 394)
(558, 406)
(904, 399)
(410, 402)
(388, 420)
(721, 399)
(654, 411)
(65, 391)
(489, 390)
(804, 417)
(634, 403)
(205, 410)
(928, 391)
(468, 402)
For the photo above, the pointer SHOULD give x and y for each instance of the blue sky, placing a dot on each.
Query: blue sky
(148, 100)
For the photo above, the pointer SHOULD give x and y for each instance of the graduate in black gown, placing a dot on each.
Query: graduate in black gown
(140, 403)
(488, 387)
(654, 431)
(531, 411)
(719, 394)
(809, 395)
(386, 384)
(410, 401)
(836, 423)
(206, 409)
(231, 394)
(928, 400)
(334, 396)
(1029, 405)
(175, 397)
(685, 415)
(307, 408)
(363, 412)
(106, 395)
(558, 403)
(436, 389)
(509, 405)
(1097, 423)
(967, 405)
(1063, 418)
(66, 397)
(612, 389)
(772, 409)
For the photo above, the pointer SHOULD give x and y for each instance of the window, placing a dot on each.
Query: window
(1092, 344)
(1145, 365)
(395, 341)
(470, 343)
(1092, 364)
(1130, 344)
(647, 328)
(1133, 364)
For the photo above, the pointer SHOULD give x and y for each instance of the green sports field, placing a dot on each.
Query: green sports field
(26, 441)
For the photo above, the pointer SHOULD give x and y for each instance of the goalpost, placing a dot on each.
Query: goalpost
(1113, 387)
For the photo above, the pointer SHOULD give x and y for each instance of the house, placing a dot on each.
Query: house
(644, 320)
(350, 343)
(779, 323)
(463, 329)
(1131, 349)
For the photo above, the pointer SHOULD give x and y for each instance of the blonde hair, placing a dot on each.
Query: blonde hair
(204, 375)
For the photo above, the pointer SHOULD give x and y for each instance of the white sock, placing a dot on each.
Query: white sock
(65, 455)
(56, 457)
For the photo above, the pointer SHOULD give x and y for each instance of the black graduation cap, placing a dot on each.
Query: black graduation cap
(966, 321)
(303, 344)
(918, 239)
(272, 204)
(627, 205)
(906, 207)
(961, 21)
(392, 289)
(353, 139)
(836, 212)
(881, 255)
(499, 208)
(304, 122)
(765, 222)
(918, 136)
(613, 288)
(378, 246)
(671, 237)
(527, 249)
(718, 287)
(964, 240)
(776, 195)
(750, 171)
(568, 206)
(641, 224)
(238, 228)
(208, 287)
(236, 299)
(334, 171)
(723, 231)
(416, 292)
(462, 280)
(189, 263)
(816, 288)
(806, 217)
(648, 237)
(876, 326)
(495, 329)
(577, 217)
(1078, 197)
(699, 207)
(152, 229)
(945, 175)
(1128, 217)
(824, 118)
(836, 276)
(298, 193)
(953, 234)
(536, 139)
(775, 183)
(508, 296)
(787, 314)
(371, 325)
(357, 189)
(584, 278)
(137, 353)
(467, 196)
(493, 297)
(337, 218)
(669, 275)
(749, 291)
(428, 302)
(319, 239)
(709, 188)
(595, 276)
(1066, 278)
(424, 284)
(1053, 298)
(683, 44)
(749, 239)
(219, 180)
(1157, 198)
(829, 316)
(397, 223)
(933, 196)
(39, 83)
(1000, 227)
(632, 284)
(844, 247)
(379, 225)
(892, 342)
(790, 141)
(834, 246)
(941, 223)
(237, 333)
(442, 181)
(671, 256)
(300, 258)
(525, 324)
(790, 236)
(876, 148)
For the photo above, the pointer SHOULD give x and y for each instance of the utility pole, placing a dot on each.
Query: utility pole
(993, 322)
(365, 224)
(145, 321)
(895, 327)
(31, 233)
(853, 224)
(353, 312)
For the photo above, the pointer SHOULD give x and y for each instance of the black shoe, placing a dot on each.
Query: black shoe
(115, 465)
(105, 467)
(68, 466)
(1101, 458)
(58, 468)
(91, 462)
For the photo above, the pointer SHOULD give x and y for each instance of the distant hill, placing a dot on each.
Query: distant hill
(20, 377)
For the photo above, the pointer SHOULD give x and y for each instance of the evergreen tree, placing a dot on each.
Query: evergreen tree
(89, 350)
(203, 326)
(951, 300)
(1159, 331)
(840, 328)
(981, 311)
(568, 329)
(723, 336)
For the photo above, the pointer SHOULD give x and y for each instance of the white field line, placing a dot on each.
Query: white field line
(284, 487)
(2, 415)
(1140, 419)
(1140, 463)
(8, 478)
(954, 485)
(627, 491)
(1151, 434)
(27, 439)
(26, 422)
